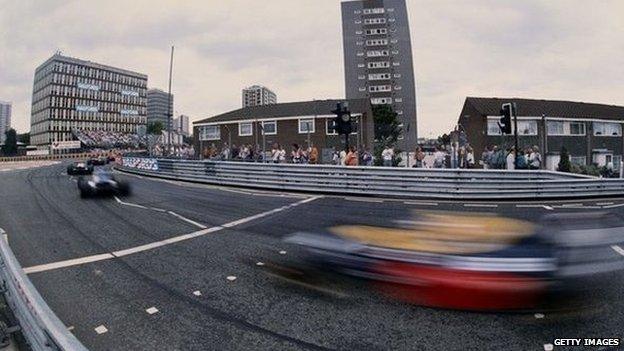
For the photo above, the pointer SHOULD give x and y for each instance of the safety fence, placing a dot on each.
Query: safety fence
(381, 181)
(41, 328)
(51, 157)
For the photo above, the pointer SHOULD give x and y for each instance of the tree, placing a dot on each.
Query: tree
(444, 139)
(387, 131)
(155, 128)
(10, 143)
(24, 138)
(564, 161)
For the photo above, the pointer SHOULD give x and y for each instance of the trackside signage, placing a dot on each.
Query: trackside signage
(146, 164)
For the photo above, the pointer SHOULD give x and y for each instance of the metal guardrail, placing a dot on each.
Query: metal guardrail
(381, 181)
(51, 157)
(42, 329)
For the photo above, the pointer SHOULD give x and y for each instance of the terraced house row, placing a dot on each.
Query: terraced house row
(591, 133)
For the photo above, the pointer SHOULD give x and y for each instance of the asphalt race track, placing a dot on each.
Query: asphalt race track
(106, 268)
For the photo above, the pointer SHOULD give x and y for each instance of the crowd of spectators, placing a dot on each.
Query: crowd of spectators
(109, 140)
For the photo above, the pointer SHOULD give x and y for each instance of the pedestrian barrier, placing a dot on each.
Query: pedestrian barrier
(456, 184)
(40, 326)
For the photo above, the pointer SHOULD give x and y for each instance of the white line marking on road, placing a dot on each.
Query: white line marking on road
(480, 205)
(363, 200)
(197, 293)
(613, 206)
(199, 225)
(70, 328)
(129, 204)
(152, 310)
(550, 208)
(101, 329)
(282, 252)
(153, 245)
(548, 347)
(259, 263)
(420, 203)
(571, 205)
(618, 249)
(604, 203)
(5, 236)
(539, 315)
(231, 278)
(67, 263)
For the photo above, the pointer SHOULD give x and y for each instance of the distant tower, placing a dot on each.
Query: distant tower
(157, 105)
(257, 95)
(378, 59)
(5, 119)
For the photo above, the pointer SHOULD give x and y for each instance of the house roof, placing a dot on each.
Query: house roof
(288, 109)
(549, 108)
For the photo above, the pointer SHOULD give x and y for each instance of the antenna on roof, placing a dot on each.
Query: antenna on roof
(58, 52)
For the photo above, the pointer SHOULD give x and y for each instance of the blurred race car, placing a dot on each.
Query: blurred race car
(79, 168)
(98, 161)
(103, 183)
(476, 262)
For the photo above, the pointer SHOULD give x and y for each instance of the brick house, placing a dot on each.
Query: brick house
(592, 133)
(286, 124)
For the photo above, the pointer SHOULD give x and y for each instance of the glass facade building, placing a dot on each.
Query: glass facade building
(70, 93)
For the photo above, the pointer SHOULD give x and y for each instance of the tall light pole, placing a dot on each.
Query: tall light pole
(169, 107)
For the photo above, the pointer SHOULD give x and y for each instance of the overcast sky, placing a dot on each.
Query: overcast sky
(549, 49)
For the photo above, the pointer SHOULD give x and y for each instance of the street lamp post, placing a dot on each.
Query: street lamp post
(169, 107)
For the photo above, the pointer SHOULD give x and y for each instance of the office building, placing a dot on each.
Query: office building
(258, 95)
(303, 123)
(181, 125)
(5, 119)
(591, 133)
(73, 94)
(157, 107)
(378, 59)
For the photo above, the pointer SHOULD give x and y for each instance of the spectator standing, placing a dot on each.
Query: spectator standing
(225, 152)
(419, 158)
(367, 158)
(235, 152)
(511, 165)
(352, 157)
(313, 155)
(486, 157)
(343, 157)
(295, 154)
(275, 153)
(438, 158)
(522, 160)
(470, 159)
(535, 159)
(335, 157)
(387, 155)
(282, 154)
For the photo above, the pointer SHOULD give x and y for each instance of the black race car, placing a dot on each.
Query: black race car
(102, 183)
(98, 161)
(79, 168)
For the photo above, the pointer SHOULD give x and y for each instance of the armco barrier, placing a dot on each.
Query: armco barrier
(380, 181)
(39, 325)
(49, 157)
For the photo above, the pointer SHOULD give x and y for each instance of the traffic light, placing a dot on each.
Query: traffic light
(505, 121)
(342, 122)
